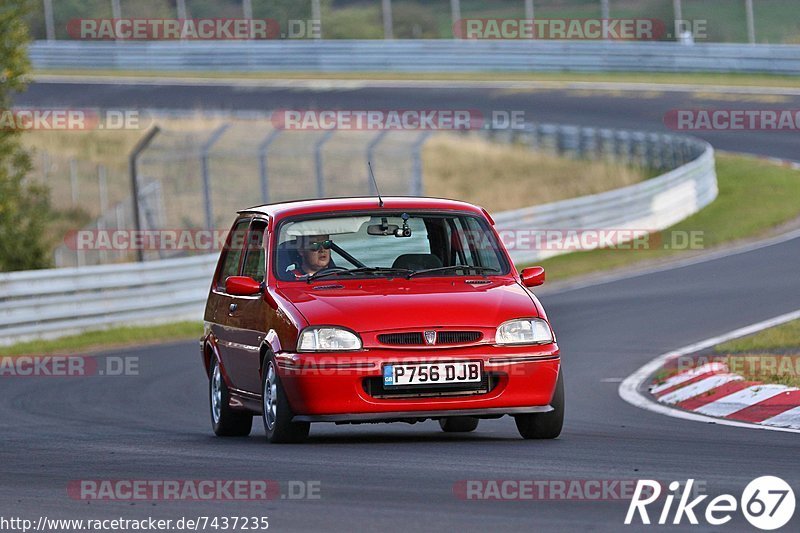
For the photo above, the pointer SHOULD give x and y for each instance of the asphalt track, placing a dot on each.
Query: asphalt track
(400, 477)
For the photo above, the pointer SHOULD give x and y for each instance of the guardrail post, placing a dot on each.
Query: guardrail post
(141, 146)
(318, 162)
(416, 178)
(263, 169)
(207, 173)
(370, 154)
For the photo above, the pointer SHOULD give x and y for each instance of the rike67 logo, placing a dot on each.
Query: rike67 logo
(767, 503)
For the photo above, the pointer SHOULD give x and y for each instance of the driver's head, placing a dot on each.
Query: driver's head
(315, 252)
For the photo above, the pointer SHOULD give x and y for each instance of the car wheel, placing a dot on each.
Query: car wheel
(277, 413)
(225, 421)
(458, 424)
(545, 425)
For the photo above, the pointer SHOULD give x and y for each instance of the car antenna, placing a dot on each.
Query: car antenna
(374, 182)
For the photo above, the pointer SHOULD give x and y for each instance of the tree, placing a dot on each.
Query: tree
(23, 206)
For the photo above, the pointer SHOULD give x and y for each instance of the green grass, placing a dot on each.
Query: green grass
(747, 80)
(732, 216)
(783, 337)
(107, 339)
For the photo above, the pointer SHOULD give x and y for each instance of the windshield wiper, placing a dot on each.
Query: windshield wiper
(477, 269)
(359, 270)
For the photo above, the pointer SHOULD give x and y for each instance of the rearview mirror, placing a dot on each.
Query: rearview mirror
(382, 229)
(242, 286)
(533, 276)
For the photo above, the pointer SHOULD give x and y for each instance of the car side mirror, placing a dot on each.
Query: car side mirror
(533, 276)
(242, 286)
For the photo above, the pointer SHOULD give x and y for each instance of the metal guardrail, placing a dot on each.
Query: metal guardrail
(50, 303)
(56, 302)
(439, 55)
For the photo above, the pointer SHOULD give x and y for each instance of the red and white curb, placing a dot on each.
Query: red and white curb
(710, 393)
(712, 390)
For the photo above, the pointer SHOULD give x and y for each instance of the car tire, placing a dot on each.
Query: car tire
(545, 425)
(458, 424)
(225, 421)
(276, 412)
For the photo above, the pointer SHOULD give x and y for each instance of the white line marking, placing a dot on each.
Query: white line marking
(629, 389)
(696, 389)
(689, 374)
(739, 400)
(787, 419)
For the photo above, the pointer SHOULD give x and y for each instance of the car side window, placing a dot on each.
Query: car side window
(254, 264)
(232, 253)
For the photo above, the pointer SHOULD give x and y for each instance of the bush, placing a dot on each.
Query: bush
(24, 207)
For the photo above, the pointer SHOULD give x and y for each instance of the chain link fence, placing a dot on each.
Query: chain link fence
(772, 21)
(197, 180)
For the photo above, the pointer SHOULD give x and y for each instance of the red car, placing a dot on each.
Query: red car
(365, 310)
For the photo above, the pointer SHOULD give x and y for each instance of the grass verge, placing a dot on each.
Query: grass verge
(783, 337)
(731, 217)
(770, 356)
(107, 339)
(744, 80)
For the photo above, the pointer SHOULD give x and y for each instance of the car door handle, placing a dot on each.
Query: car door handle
(233, 307)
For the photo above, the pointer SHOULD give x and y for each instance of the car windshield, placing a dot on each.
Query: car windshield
(387, 244)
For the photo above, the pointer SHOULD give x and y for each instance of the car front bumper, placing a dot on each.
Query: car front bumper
(335, 387)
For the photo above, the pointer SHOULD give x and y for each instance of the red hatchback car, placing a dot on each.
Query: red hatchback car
(364, 310)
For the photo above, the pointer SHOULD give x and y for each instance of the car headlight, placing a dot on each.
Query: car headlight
(524, 331)
(327, 339)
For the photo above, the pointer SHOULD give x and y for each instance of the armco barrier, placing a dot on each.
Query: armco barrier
(442, 55)
(50, 303)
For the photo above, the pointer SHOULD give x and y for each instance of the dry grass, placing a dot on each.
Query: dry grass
(492, 174)
(501, 176)
(778, 369)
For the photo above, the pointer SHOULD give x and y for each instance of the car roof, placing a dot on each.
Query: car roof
(390, 203)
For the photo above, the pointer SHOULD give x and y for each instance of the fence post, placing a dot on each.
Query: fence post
(416, 178)
(455, 14)
(388, 32)
(73, 180)
(751, 25)
(263, 170)
(318, 162)
(370, 155)
(207, 173)
(48, 20)
(316, 15)
(140, 147)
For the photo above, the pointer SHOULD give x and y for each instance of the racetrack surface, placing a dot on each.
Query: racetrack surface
(400, 477)
(638, 110)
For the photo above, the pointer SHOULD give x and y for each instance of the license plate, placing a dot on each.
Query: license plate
(432, 374)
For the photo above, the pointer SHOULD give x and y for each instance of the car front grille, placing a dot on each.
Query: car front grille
(417, 338)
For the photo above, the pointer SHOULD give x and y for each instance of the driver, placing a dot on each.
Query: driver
(315, 254)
